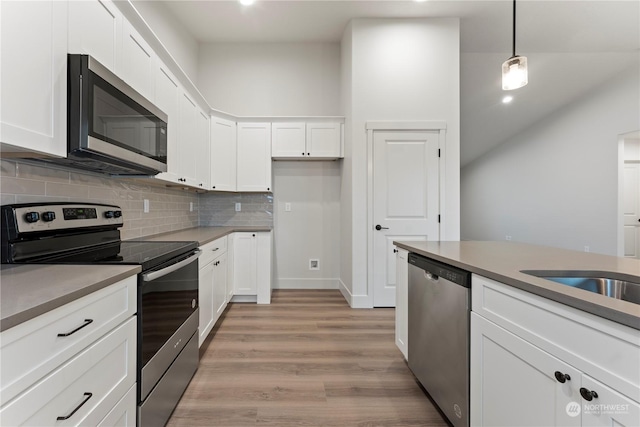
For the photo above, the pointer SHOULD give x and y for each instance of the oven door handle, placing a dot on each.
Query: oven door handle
(147, 277)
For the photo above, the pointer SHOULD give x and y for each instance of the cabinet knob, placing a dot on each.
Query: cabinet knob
(303, 154)
(588, 395)
(562, 377)
(308, 154)
(268, 189)
(253, 235)
(213, 186)
(395, 251)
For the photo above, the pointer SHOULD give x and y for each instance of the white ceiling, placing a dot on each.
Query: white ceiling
(572, 46)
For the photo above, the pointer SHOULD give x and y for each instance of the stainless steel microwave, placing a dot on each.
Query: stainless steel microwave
(112, 129)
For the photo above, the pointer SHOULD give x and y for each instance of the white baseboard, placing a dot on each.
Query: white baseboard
(345, 292)
(306, 284)
(244, 298)
(355, 301)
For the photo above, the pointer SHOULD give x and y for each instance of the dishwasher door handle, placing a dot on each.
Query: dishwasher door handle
(431, 276)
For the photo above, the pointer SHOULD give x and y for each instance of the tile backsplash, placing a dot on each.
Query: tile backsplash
(219, 209)
(169, 209)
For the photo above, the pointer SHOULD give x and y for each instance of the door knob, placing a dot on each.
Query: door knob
(379, 227)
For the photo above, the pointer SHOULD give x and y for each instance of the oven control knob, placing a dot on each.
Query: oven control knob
(48, 216)
(117, 214)
(32, 217)
(109, 214)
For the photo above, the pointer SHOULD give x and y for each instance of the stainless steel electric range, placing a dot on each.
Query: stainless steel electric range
(167, 316)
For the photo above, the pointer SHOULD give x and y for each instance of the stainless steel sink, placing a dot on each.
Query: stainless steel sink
(612, 285)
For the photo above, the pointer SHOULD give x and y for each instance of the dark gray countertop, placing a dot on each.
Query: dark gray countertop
(503, 262)
(203, 235)
(28, 291)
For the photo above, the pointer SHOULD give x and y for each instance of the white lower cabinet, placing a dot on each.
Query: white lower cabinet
(73, 365)
(252, 265)
(212, 285)
(534, 362)
(402, 301)
(124, 414)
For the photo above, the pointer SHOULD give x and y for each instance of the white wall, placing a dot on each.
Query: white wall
(312, 227)
(400, 70)
(175, 37)
(556, 183)
(271, 79)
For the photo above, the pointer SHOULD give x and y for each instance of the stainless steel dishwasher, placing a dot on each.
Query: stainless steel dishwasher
(438, 351)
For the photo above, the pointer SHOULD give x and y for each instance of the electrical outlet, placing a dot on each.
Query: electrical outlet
(287, 207)
(586, 249)
(190, 206)
(314, 264)
(507, 237)
(238, 207)
(145, 205)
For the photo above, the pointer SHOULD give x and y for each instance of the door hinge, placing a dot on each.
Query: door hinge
(438, 219)
(438, 152)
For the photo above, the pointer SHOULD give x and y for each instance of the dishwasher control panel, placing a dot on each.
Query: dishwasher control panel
(437, 268)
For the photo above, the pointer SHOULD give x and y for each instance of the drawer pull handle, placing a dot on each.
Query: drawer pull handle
(213, 250)
(87, 322)
(86, 399)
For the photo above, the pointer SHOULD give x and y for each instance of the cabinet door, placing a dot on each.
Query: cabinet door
(205, 300)
(402, 301)
(187, 134)
(244, 264)
(203, 155)
(254, 157)
(288, 140)
(167, 93)
(610, 408)
(138, 62)
(95, 28)
(323, 140)
(263, 267)
(34, 76)
(220, 285)
(513, 383)
(223, 154)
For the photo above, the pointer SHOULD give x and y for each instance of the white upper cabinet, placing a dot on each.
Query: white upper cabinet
(95, 28)
(254, 157)
(223, 154)
(187, 135)
(167, 93)
(203, 171)
(34, 77)
(138, 62)
(288, 140)
(306, 140)
(324, 140)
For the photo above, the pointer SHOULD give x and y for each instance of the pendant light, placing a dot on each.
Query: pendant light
(514, 69)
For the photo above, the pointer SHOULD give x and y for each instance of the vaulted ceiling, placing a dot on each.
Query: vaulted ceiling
(572, 47)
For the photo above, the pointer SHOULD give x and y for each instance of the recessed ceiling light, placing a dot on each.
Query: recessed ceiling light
(247, 2)
(507, 99)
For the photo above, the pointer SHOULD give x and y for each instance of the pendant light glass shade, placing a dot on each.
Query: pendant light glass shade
(514, 73)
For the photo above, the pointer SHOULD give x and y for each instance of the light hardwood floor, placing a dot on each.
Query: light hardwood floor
(307, 359)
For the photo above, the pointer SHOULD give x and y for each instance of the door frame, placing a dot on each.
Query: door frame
(621, 163)
(439, 126)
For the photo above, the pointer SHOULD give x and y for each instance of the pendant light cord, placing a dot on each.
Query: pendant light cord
(514, 28)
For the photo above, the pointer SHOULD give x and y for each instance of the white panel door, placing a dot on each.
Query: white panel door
(223, 154)
(631, 210)
(138, 62)
(288, 140)
(95, 28)
(610, 408)
(34, 76)
(167, 92)
(323, 140)
(244, 264)
(405, 201)
(187, 134)
(219, 285)
(254, 157)
(206, 302)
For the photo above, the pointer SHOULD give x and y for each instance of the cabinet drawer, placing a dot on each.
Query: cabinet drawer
(124, 413)
(84, 389)
(32, 349)
(603, 349)
(212, 250)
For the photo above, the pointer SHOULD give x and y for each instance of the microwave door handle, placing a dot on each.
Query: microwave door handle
(147, 277)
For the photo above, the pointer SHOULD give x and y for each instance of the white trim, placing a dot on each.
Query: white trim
(306, 283)
(345, 292)
(370, 213)
(244, 298)
(418, 125)
(620, 221)
(442, 166)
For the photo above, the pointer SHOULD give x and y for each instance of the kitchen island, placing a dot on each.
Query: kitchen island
(540, 352)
